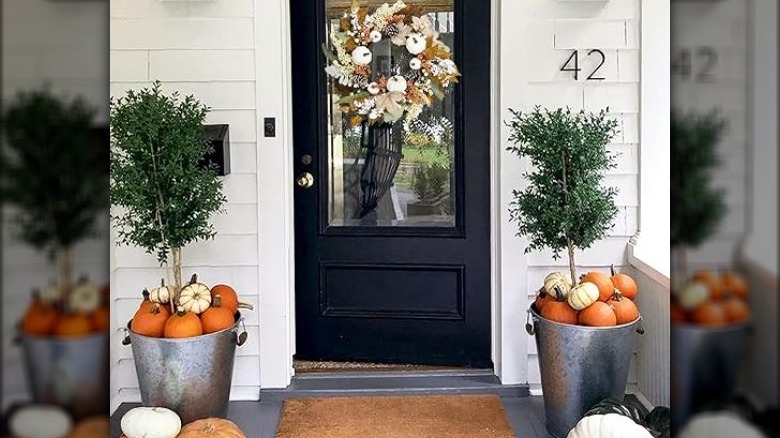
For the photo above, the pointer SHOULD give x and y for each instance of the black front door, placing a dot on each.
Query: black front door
(404, 277)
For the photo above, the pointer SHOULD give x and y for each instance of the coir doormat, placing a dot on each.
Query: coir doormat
(435, 416)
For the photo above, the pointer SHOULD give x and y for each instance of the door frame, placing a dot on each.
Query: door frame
(275, 201)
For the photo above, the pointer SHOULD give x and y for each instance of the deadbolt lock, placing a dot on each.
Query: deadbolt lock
(305, 180)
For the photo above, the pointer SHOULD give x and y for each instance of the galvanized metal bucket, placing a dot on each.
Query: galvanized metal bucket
(190, 376)
(580, 366)
(705, 366)
(71, 373)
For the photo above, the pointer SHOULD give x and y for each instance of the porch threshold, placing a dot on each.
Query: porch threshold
(396, 383)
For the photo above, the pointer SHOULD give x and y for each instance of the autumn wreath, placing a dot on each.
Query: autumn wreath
(417, 74)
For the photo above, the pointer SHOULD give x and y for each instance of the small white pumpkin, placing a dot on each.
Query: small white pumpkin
(693, 295)
(396, 83)
(40, 421)
(376, 36)
(362, 55)
(50, 293)
(195, 297)
(150, 423)
(415, 43)
(161, 294)
(557, 279)
(85, 297)
(583, 295)
(719, 425)
(415, 63)
(373, 88)
(608, 426)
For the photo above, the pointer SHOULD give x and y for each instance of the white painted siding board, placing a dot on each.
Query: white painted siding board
(602, 253)
(240, 219)
(243, 128)
(129, 65)
(229, 250)
(217, 95)
(240, 188)
(619, 98)
(628, 65)
(202, 65)
(243, 158)
(186, 34)
(590, 34)
(158, 9)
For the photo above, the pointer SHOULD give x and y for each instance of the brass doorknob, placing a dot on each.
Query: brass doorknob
(305, 180)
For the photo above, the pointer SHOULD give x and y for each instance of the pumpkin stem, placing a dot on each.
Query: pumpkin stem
(194, 279)
(612, 269)
(559, 295)
(145, 294)
(155, 309)
(243, 305)
(617, 295)
(180, 311)
(162, 282)
(217, 301)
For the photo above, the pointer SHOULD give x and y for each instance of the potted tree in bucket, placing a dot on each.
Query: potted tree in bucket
(183, 336)
(54, 175)
(584, 325)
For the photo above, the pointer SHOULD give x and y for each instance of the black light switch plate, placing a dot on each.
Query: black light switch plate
(269, 127)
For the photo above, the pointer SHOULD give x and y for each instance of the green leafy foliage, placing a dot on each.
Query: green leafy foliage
(158, 141)
(564, 205)
(54, 171)
(697, 208)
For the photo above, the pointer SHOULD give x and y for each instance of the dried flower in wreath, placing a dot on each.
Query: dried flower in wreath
(422, 72)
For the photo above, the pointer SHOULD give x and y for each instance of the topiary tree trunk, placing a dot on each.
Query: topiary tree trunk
(564, 205)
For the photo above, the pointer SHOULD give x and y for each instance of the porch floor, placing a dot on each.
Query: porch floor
(259, 419)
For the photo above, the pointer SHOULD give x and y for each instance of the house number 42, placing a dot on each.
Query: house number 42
(573, 64)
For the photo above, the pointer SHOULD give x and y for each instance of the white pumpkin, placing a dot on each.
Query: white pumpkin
(161, 294)
(583, 295)
(373, 88)
(40, 421)
(85, 297)
(150, 423)
(415, 63)
(375, 36)
(195, 297)
(608, 426)
(557, 279)
(719, 425)
(693, 295)
(415, 43)
(362, 55)
(50, 293)
(396, 83)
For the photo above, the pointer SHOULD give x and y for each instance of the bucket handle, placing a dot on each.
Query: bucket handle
(639, 327)
(241, 337)
(126, 340)
(528, 326)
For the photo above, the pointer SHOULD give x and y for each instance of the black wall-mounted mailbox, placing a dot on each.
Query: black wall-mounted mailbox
(220, 142)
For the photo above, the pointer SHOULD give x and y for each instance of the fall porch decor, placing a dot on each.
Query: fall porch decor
(166, 197)
(565, 207)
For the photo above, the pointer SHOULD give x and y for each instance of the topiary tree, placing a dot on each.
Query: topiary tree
(697, 208)
(157, 143)
(54, 172)
(564, 205)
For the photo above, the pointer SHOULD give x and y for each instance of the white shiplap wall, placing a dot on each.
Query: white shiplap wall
(537, 37)
(206, 49)
(65, 45)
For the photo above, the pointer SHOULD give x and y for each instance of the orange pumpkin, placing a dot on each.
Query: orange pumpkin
(40, 318)
(625, 309)
(217, 317)
(150, 323)
(94, 427)
(598, 314)
(211, 428)
(712, 280)
(72, 324)
(625, 284)
(735, 309)
(229, 298)
(735, 284)
(676, 313)
(541, 299)
(183, 325)
(604, 283)
(710, 313)
(559, 311)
